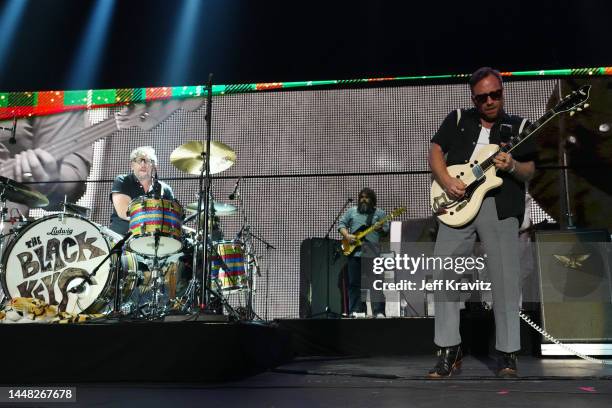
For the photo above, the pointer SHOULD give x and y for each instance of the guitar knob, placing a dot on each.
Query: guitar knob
(572, 113)
(586, 105)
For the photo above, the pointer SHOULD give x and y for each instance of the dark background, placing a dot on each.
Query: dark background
(267, 41)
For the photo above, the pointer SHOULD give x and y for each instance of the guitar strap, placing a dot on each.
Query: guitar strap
(370, 217)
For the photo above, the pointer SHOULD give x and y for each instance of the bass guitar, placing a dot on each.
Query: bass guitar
(349, 247)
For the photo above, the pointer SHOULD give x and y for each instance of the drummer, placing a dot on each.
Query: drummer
(139, 182)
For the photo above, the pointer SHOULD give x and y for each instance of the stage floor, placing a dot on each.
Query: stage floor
(380, 382)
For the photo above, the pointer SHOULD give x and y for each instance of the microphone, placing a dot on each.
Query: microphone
(156, 184)
(13, 140)
(235, 192)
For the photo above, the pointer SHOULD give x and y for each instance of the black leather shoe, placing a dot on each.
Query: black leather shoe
(449, 362)
(506, 365)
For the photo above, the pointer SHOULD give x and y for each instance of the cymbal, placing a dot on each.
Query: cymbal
(189, 157)
(21, 193)
(221, 209)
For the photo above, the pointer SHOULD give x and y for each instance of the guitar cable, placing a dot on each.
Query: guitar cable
(563, 346)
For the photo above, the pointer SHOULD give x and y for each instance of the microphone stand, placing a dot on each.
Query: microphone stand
(330, 243)
(89, 279)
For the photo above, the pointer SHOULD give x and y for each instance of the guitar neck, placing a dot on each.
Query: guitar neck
(515, 141)
(74, 142)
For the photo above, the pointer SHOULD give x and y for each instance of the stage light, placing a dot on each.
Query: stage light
(87, 59)
(182, 44)
(9, 19)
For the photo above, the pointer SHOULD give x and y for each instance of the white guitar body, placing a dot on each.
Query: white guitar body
(460, 212)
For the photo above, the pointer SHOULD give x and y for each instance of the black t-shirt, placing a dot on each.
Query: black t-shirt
(129, 185)
(458, 141)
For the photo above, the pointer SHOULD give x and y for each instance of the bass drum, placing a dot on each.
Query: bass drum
(55, 254)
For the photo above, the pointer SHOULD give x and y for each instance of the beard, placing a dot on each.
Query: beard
(364, 207)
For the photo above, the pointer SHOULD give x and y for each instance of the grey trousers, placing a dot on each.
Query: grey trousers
(500, 242)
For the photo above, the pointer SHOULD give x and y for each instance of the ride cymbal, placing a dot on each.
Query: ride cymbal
(189, 157)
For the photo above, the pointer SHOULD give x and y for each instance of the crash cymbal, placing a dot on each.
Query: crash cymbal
(189, 157)
(221, 209)
(19, 193)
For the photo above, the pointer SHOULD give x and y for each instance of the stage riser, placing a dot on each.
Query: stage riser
(139, 352)
(394, 337)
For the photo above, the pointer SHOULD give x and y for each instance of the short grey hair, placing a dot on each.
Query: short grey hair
(148, 151)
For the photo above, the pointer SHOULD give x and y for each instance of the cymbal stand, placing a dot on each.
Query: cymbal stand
(201, 240)
(3, 213)
(268, 248)
(244, 236)
(157, 310)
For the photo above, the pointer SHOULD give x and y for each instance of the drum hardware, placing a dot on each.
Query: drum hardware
(221, 209)
(246, 236)
(203, 159)
(71, 208)
(90, 279)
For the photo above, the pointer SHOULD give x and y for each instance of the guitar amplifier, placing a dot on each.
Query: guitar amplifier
(321, 277)
(575, 286)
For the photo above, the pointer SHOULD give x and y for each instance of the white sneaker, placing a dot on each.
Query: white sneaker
(358, 315)
(379, 316)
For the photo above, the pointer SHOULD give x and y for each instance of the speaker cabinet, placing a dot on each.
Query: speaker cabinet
(575, 285)
(321, 275)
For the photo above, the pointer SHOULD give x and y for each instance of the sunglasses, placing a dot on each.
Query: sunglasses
(482, 98)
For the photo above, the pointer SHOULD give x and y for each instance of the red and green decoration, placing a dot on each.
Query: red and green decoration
(23, 104)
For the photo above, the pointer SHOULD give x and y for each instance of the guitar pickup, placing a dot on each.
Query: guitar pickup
(477, 172)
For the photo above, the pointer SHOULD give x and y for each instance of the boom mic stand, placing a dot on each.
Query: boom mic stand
(328, 312)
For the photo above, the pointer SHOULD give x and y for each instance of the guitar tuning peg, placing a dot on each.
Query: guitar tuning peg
(579, 109)
(572, 113)
(586, 105)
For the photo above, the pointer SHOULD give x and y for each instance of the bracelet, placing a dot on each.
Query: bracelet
(513, 169)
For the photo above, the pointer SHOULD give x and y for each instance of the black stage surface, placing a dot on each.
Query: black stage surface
(361, 363)
(373, 382)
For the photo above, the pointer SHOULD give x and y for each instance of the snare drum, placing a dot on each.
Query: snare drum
(155, 219)
(55, 254)
(228, 271)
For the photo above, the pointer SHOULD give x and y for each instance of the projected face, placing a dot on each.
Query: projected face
(488, 97)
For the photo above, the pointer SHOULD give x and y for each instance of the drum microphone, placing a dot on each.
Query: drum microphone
(235, 192)
(156, 184)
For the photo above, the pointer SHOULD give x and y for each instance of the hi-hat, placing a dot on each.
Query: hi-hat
(221, 209)
(189, 157)
(21, 194)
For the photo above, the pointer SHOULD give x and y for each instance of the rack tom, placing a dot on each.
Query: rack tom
(155, 224)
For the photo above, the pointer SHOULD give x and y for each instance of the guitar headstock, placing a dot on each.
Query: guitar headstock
(574, 102)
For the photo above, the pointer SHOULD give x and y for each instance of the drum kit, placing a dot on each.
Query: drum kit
(67, 260)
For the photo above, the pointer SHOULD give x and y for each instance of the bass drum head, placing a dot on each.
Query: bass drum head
(53, 255)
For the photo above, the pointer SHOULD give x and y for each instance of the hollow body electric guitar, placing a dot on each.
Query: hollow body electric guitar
(349, 247)
(480, 176)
